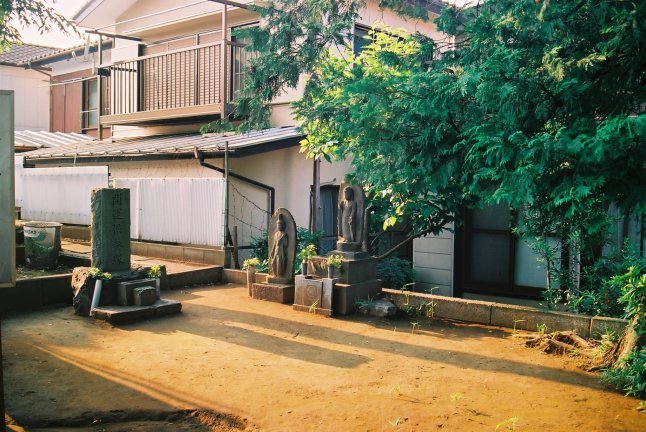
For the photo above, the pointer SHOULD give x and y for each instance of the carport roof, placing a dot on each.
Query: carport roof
(181, 146)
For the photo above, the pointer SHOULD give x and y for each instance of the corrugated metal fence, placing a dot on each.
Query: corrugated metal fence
(58, 194)
(177, 210)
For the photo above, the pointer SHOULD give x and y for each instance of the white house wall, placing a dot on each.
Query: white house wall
(433, 263)
(31, 90)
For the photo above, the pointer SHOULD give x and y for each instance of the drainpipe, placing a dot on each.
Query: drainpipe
(270, 189)
(225, 231)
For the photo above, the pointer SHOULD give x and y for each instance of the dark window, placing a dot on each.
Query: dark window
(90, 111)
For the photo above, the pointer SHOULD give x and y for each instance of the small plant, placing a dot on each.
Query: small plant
(363, 305)
(457, 396)
(250, 263)
(307, 253)
(98, 274)
(509, 424)
(154, 272)
(541, 328)
(334, 261)
(415, 325)
(516, 322)
(313, 306)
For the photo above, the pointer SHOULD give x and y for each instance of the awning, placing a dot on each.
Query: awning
(158, 147)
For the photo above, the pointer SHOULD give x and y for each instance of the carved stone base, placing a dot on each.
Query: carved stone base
(342, 246)
(273, 292)
(278, 280)
(353, 270)
(344, 296)
(313, 295)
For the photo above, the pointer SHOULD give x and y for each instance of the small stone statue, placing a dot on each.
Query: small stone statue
(278, 254)
(348, 216)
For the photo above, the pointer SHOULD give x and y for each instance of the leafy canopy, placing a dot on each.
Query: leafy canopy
(537, 105)
(35, 13)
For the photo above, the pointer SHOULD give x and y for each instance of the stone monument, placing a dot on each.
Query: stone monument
(281, 244)
(127, 294)
(357, 278)
(111, 229)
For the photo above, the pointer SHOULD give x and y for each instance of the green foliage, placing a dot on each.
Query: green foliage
(307, 253)
(630, 374)
(395, 272)
(259, 247)
(250, 263)
(29, 13)
(334, 261)
(154, 271)
(98, 274)
(260, 251)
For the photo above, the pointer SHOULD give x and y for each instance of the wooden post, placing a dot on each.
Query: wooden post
(316, 201)
(236, 258)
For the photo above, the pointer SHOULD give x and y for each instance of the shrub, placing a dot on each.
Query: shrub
(395, 272)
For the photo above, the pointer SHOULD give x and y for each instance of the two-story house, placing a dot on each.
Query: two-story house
(173, 67)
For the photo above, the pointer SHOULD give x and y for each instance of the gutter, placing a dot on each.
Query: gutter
(270, 189)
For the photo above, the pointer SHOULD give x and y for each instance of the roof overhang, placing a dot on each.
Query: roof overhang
(168, 147)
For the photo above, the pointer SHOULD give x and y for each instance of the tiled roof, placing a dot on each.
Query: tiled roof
(21, 53)
(172, 146)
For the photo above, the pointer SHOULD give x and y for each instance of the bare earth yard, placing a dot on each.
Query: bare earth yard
(265, 367)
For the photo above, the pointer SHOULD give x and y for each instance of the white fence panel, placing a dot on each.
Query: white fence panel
(177, 210)
(58, 194)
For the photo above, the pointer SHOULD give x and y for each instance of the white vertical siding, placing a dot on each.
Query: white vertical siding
(176, 210)
(58, 194)
(433, 263)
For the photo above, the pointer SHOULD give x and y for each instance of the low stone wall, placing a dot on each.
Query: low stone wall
(34, 293)
(240, 276)
(504, 315)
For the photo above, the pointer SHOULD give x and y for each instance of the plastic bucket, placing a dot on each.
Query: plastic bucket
(42, 244)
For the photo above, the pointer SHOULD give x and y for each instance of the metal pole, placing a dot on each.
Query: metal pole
(99, 88)
(226, 192)
(225, 64)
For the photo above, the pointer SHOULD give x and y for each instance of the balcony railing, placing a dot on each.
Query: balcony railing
(175, 84)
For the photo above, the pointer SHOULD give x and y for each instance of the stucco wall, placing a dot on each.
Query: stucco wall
(31, 96)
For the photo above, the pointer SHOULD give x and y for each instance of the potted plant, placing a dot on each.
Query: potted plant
(333, 262)
(250, 265)
(306, 254)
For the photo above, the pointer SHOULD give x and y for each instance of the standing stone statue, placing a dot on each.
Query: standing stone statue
(282, 247)
(350, 218)
(278, 254)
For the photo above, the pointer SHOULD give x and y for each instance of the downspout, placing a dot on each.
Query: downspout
(270, 189)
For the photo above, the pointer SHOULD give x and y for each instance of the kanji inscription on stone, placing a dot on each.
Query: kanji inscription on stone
(111, 229)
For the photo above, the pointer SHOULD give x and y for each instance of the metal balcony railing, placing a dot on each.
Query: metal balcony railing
(172, 80)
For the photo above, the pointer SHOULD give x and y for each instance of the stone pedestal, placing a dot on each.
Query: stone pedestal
(111, 229)
(278, 293)
(344, 296)
(313, 295)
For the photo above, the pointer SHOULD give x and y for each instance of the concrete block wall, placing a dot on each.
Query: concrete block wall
(509, 316)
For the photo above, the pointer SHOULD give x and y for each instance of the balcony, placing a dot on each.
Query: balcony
(178, 86)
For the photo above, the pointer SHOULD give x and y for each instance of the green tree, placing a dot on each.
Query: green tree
(538, 104)
(36, 13)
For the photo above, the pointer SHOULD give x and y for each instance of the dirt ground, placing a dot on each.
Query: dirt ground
(260, 366)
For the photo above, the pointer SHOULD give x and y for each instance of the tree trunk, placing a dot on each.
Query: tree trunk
(630, 341)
